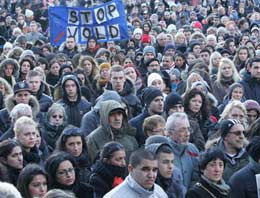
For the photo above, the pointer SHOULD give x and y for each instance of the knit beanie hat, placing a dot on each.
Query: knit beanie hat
(252, 105)
(169, 46)
(198, 25)
(138, 30)
(153, 143)
(171, 100)
(209, 155)
(8, 45)
(226, 125)
(253, 148)
(149, 94)
(152, 77)
(104, 65)
(146, 39)
(149, 49)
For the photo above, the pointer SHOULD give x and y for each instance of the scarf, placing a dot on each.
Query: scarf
(221, 186)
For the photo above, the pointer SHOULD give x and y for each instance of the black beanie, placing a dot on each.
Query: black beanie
(226, 125)
(149, 94)
(253, 148)
(209, 155)
(171, 100)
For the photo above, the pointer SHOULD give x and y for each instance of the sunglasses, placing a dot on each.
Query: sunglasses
(73, 131)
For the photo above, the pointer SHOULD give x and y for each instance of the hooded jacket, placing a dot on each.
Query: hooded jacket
(103, 134)
(131, 189)
(15, 73)
(5, 121)
(74, 109)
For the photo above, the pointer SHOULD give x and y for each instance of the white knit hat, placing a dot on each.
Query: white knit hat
(138, 30)
(152, 77)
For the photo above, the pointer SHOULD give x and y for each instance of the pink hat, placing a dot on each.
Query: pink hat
(198, 25)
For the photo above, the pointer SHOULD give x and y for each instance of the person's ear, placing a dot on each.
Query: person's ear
(3, 160)
(130, 168)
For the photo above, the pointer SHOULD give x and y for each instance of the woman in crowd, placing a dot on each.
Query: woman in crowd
(33, 181)
(5, 89)
(109, 170)
(9, 70)
(64, 174)
(240, 58)
(53, 127)
(227, 75)
(73, 142)
(196, 105)
(214, 61)
(25, 66)
(52, 77)
(211, 183)
(11, 161)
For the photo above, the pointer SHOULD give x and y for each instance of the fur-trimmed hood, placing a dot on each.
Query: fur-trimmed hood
(11, 62)
(33, 102)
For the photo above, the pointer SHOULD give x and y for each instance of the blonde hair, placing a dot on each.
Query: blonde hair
(222, 63)
(230, 106)
(23, 122)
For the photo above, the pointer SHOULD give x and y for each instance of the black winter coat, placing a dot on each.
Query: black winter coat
(251, 87)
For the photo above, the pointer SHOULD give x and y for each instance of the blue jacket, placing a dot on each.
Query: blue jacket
(251, 87)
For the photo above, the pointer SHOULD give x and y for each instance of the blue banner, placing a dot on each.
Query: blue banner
(106, 22)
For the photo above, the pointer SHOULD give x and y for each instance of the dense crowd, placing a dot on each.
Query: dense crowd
(171, 112)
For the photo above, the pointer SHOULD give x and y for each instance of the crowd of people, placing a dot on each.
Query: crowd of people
(171, 112)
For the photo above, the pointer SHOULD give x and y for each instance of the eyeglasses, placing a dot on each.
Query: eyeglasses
(66, 172)
(237, 133)
(182, 130)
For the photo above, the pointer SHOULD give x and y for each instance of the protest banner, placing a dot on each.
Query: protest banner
(104, 22)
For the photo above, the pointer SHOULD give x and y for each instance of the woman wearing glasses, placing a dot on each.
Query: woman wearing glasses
(210, 184)
(56, 122)
(63, 174)
(72, 141)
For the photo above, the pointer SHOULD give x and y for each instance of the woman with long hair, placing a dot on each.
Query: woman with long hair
(227, 75)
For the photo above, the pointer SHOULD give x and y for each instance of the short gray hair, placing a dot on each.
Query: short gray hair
(19, 110)
(56, 107)
(8, 190)
(172, 120)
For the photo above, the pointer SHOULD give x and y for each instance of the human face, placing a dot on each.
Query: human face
(74, 145)
(130, 72)
(22, 97)
(145, 173)
(105, 73)
(232, 47)
(91, 43)
(237, 93)
(179, 61)
(243, 55)
(27, 136)
(235, 137)
(38, 186)
(165, 162)
(25, 67)
(87, 66)
(226, 71)
(70, 43)
(176, 108)
(252, 115)
(65, 173)
(38, 139)
(148, 56)
(55, 68)
(205, 57)
(158, 130)
(118, 81)
(33, 27)
(190, 58)
(196, 50)
(118, 158)
(237, 113)
(158, 84)
(34, 83)
(116, 119)
(9, 70)
(214, 170)
(255, 70)
(167, 62)
(15, 158)
(181, 133)
(154, 66)
(57, 118)
(71, 88)
(156, 106)
(216, 60)
(195, 103)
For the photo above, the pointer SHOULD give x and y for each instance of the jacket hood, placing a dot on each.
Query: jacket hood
(64, 94)
(106, 108)
(10, 61)
(33, 102)
(107, 95)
